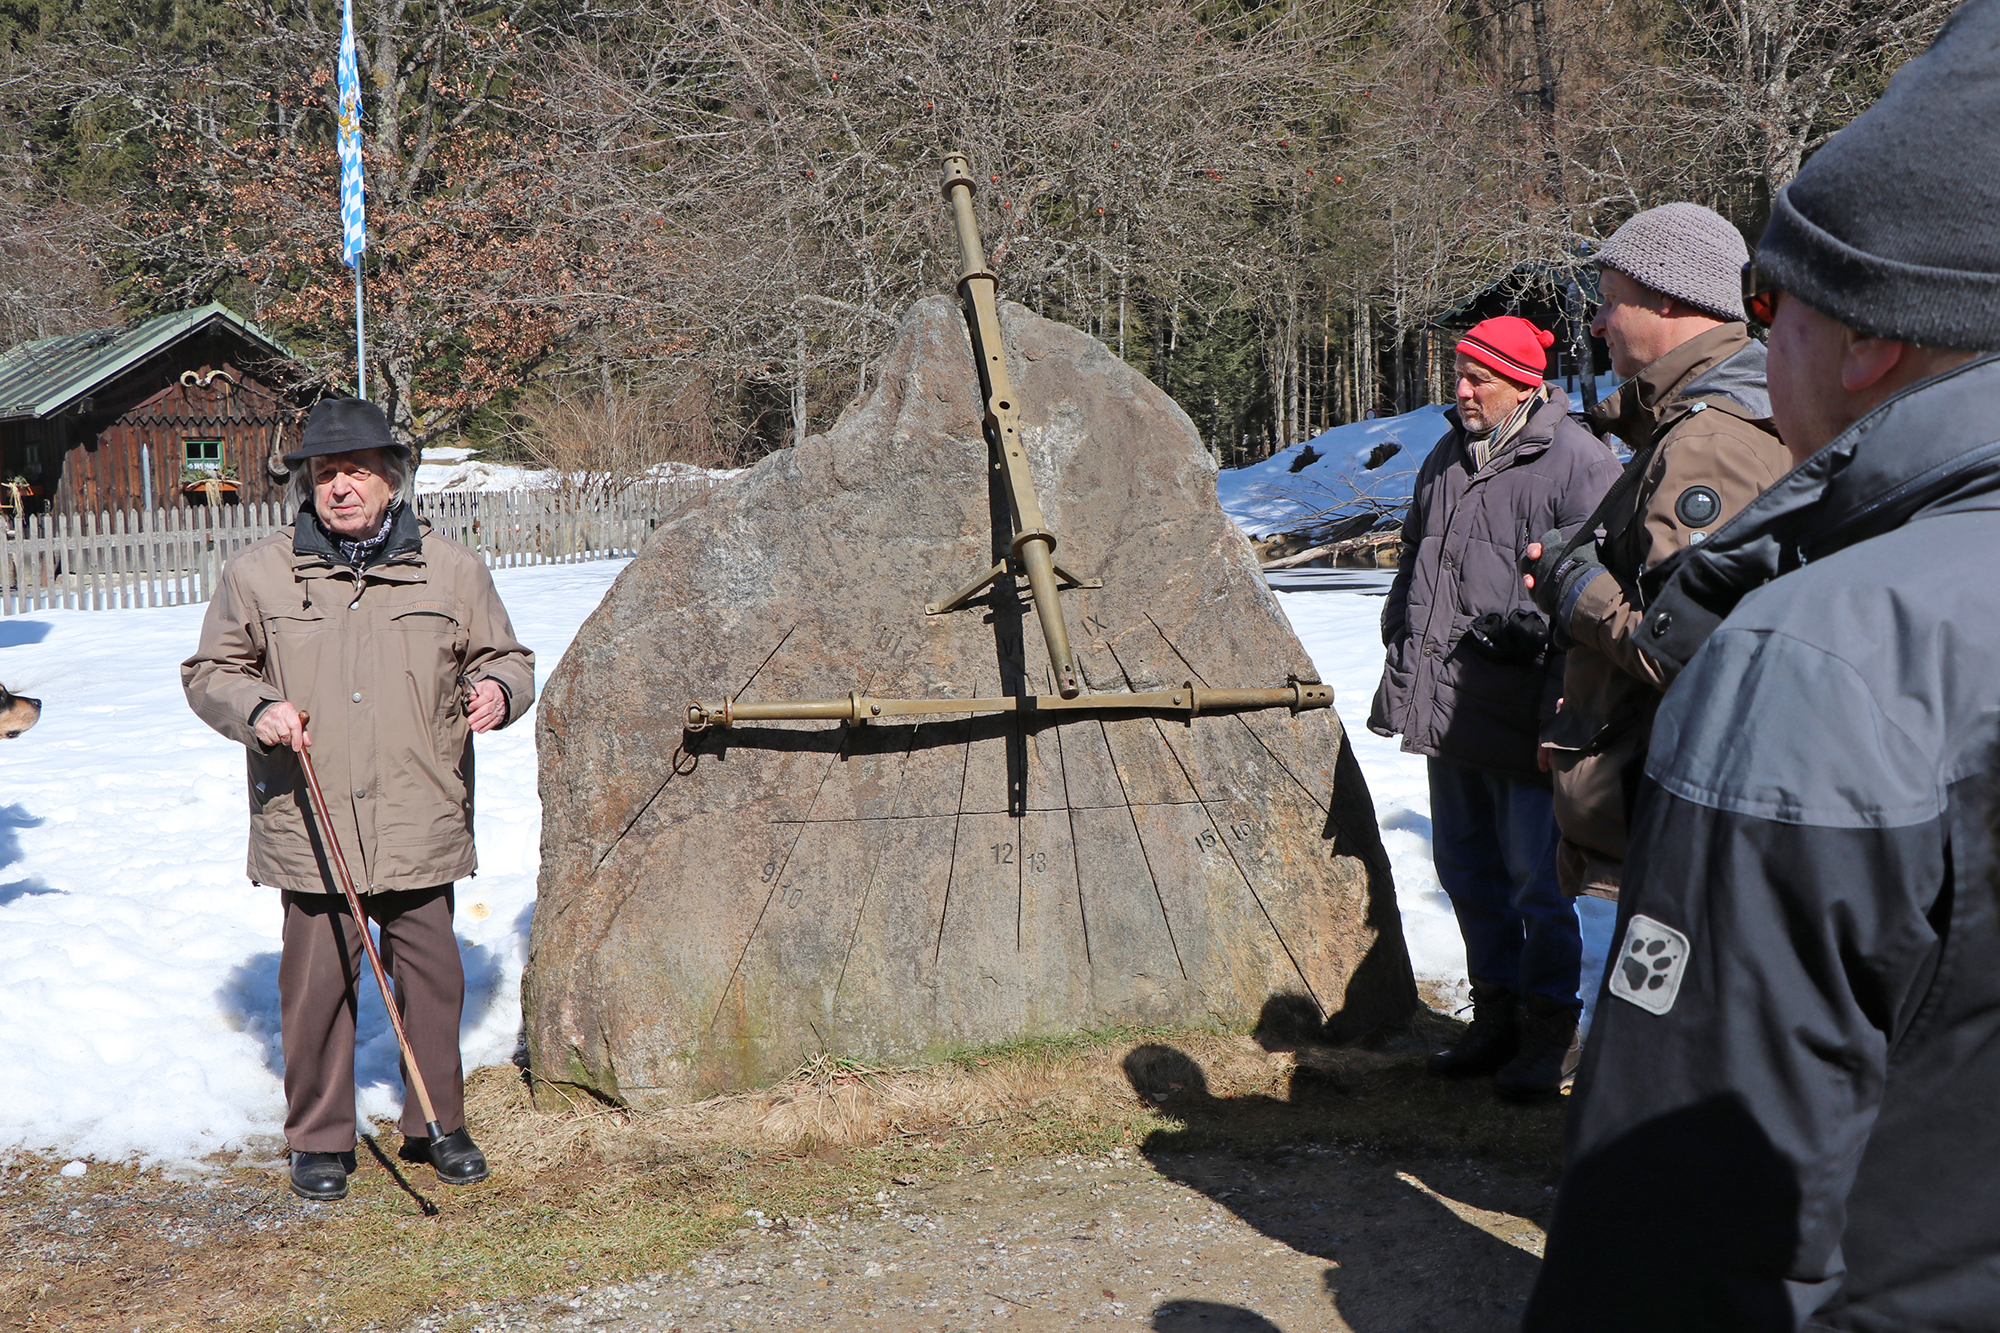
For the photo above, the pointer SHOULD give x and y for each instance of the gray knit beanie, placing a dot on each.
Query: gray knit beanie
(1891, 227)
(1684, 251)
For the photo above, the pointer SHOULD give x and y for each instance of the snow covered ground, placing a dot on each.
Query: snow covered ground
(138, 966)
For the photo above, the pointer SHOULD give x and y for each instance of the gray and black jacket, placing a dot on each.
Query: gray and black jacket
(1788, 1113)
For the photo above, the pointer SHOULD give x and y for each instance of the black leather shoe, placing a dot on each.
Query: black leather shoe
(1489, 1043)
(321, 1176)
(456, 1157)
(1548, 1035)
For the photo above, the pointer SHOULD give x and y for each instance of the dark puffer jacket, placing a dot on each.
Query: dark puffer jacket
(1462, 544)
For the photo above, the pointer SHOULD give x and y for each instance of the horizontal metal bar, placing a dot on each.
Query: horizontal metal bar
(857, 707)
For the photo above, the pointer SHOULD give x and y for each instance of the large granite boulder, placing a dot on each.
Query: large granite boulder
(716, 908)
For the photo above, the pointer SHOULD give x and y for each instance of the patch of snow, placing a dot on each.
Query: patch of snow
(466, 474)
(1269, 497)
(462, 472)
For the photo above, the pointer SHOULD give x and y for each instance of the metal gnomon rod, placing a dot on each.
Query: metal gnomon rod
(1030, 552)
(367, 942)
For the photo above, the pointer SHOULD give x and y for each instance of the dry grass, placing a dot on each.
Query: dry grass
(590, 1194)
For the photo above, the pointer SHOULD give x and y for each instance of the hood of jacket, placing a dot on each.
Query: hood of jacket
(1934, 443)
(1723, 364)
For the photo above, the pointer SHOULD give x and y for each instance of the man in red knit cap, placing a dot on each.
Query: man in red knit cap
(1470, 679)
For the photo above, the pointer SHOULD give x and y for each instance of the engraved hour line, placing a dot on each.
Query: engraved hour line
(1020, 881)
(767, 661)
(1243, 830)
(1119, 773)
(957, 819)
(1140, 838)
(777, 880)
(1077, 855)
(1242, 719)
(875, 871)
(611, 917)
(634, 820)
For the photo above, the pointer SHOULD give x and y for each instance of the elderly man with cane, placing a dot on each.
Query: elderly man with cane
(362, 640)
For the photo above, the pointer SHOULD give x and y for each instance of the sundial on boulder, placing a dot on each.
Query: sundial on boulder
(907, 815)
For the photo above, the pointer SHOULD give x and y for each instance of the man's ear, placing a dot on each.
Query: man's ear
(1866, 361)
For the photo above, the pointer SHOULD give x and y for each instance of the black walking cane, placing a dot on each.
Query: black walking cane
(367, 942)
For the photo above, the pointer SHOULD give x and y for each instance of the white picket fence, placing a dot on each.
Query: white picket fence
(170, 557)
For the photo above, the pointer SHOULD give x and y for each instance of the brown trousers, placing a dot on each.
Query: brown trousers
(318, 971)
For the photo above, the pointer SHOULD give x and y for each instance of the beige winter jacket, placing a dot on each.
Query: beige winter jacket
(375, 658)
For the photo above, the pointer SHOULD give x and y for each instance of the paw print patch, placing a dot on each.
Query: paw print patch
(1648, 968)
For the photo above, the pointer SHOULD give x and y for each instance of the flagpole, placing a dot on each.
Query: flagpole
(353, 185)
(360, 341)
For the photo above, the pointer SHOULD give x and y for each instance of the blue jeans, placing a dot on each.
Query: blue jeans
(1493, 841)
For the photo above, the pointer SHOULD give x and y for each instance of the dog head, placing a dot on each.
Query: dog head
(17, 713)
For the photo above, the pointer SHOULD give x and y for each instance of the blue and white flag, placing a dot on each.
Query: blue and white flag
(353, 219)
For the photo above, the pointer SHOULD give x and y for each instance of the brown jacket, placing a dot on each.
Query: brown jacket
(375, 658)
(1718, 450)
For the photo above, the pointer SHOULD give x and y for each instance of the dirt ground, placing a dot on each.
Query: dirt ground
(1318, 1240)
(1192, 1183)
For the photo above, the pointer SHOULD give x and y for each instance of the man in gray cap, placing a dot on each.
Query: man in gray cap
(1694, 410)
(1789, 1112)
(393, 642)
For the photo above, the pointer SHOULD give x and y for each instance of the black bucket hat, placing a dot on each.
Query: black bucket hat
(343, 426)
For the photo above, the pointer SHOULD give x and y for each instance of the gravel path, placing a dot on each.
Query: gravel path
(1318, 1239)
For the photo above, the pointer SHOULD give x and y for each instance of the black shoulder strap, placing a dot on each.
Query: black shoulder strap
(1627, 481)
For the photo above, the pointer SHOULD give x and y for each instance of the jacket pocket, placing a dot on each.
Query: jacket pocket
(292, 651)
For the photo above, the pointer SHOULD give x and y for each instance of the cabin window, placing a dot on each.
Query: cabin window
(31, 458)
(203, 455)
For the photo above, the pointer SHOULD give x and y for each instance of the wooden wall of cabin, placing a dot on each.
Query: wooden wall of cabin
(102, 468)
(106, 472)
(33, 450)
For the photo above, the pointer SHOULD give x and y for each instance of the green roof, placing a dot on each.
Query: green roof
(41, 378)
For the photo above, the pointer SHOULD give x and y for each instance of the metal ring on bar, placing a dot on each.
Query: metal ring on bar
(1028, 535)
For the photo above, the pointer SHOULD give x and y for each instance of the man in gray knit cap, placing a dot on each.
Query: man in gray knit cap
(1789, 1113)
(1694, 410)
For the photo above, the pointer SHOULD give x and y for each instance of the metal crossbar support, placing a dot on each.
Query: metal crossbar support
(1189, 700)
(1031, 551)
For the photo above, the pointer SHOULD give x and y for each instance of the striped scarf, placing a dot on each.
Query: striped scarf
(1487, 447)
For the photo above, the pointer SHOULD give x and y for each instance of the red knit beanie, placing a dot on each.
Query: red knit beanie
(1510, 345)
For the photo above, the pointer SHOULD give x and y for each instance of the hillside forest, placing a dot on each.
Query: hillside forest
(602, 230)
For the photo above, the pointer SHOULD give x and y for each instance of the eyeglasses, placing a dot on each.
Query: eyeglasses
(1760, 295)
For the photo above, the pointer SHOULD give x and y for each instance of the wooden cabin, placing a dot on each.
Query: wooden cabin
(175, 410)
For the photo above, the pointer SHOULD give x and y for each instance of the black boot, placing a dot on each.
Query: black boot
(321, 1176)
(1489, 1043)
(456, 1157)
(1548, 1030)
